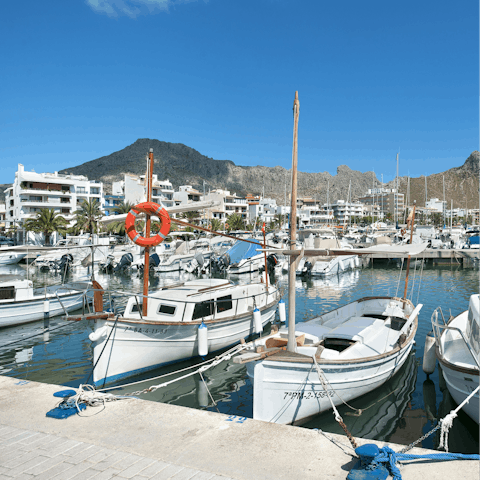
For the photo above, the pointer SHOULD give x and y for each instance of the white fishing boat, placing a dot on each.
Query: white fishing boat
(181, 321)
(311, 367)
(456, 344)
(339, 356)
(20, 303)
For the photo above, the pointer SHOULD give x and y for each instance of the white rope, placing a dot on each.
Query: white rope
(447, 421)
(324, 382)
(336, 442)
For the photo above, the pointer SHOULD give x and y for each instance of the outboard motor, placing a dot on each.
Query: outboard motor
(220, 264)
(154, 262)
(64, 263)
(271, 263)
(124, 263)
(107, 266)
(307, 268)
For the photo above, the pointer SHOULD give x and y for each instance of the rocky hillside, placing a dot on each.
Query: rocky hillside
(461, 185)
(183, 165)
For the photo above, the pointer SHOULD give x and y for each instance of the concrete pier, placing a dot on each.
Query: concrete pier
(139, 439)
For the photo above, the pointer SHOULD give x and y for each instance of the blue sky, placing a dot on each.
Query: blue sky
(84, 78)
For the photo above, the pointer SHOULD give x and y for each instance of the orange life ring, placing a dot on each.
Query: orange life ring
(149, 208)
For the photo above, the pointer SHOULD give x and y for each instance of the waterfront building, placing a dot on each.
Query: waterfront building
(32, 192)
(390, 202)
(2, 216)
(134, 190)
(437, 206)
(346, 211)
(229, 204)
(111, 202)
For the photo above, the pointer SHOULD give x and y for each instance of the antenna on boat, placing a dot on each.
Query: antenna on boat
(293, 231)
(146, 268)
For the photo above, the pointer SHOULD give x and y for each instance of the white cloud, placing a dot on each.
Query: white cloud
(131, 8)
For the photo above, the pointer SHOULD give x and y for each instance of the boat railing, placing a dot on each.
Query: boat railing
(437, 331)
(255, 301)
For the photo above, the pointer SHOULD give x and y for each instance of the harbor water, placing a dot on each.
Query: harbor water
(401, 411)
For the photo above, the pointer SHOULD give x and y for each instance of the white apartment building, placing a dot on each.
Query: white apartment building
(186, 194)
(345, 211)
(436, 205)
(32, 192)
(229, 204)
(265, 208)
(312, 214)
(134, 190)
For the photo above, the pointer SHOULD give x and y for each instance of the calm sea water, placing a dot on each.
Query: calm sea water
(401, 411)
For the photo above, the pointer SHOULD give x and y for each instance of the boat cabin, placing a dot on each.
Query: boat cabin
(198, 300)
(15, 289)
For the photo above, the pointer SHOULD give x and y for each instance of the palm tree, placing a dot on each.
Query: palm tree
(216, 224)
(191, 216)
(235, 222)
(88, 215)
(123, 207)
(47, 221)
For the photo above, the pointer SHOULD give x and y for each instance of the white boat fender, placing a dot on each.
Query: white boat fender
(281, 311)
(98, 334)
(202, 340)
(429, 355)
(257, 320)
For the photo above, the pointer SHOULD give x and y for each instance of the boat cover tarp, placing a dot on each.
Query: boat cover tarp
(242, 250)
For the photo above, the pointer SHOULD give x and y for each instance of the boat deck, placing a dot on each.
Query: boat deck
(140, 439)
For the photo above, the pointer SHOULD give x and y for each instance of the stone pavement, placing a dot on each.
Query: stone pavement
(142, 439)
(26, 454)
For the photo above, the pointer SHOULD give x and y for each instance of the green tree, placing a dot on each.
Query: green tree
(216, 224)
(123, 207)
(47, 222)
(88, 215)
(191, 217)
(235, 222)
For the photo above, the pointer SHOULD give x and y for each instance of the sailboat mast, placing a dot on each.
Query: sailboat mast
(395, 204)
(291, 346)
(146, 267)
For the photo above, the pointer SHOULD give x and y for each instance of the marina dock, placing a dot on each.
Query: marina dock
(139, 439)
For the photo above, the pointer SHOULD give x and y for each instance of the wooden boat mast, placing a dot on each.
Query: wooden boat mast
(146, 268)
(291, 347)
(412, 222)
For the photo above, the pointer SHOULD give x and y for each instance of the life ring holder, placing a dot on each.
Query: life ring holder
(149, 208)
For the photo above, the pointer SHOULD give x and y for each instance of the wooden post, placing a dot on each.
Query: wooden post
(291, 347)
(408, 259)
(146, 267)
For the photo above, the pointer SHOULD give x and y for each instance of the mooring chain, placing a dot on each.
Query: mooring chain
(348, 434)
(421, 439)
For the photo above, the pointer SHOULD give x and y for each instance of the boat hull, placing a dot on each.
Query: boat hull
(133, 348)
(11, 258)
(461, 384)
(291, 393)
(25, 311)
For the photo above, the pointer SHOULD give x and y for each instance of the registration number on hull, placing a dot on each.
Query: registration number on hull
(307, 395)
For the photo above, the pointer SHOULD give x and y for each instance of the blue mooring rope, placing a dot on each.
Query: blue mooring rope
(389, 457)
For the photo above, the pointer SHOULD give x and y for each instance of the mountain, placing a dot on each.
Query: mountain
(183, 165)
(461, 185)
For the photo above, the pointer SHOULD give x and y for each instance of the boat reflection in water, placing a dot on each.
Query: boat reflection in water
(331, 287)
(463, 436)
(382, 409)
(227, 383)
